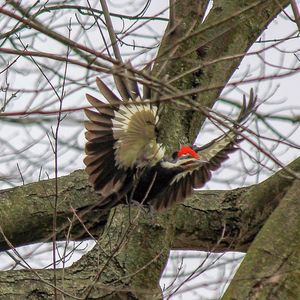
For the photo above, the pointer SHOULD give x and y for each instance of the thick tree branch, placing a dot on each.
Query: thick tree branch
(114, 269)
(126, 248)
(271, 267)
(26, 212)
(240, 212)
(243, 212)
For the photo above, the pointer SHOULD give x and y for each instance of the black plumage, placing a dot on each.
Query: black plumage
(125, 162)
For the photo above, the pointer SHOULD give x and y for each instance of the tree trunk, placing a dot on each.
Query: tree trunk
(271, 268)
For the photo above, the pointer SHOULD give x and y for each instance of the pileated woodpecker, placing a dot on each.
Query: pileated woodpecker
(124, 161)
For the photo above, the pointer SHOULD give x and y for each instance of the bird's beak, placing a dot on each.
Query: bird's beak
(193, 164)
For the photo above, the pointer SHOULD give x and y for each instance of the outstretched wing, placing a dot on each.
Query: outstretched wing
(100, 163)
(120, 135)
(184, 183)
(212, 155)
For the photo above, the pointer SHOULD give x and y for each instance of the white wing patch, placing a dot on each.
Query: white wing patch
(218, 145)
(134, 128)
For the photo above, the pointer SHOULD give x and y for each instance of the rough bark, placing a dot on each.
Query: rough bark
(271, 268)
(110, 271)
(215, 48)
(31, 207)
(131, 253)
(243, 210)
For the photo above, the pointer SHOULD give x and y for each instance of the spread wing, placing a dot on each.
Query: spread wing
(184, 183)
(213, 154)
(121, 135)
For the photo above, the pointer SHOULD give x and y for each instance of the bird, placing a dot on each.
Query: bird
(124, 161)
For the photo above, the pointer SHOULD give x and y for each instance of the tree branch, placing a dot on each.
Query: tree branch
(242, 211)
(134, 242)
(270, 269)
(229, 30)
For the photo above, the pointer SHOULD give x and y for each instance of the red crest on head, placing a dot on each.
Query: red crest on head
(187, 150)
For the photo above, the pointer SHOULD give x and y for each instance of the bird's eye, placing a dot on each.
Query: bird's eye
(175, 154)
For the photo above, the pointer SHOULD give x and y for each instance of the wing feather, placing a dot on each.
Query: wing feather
(185, 182)
(100, 163)
(132, 83)
(100, 106)
(146, 86)
(121, 84)
(107, 92)
(214, 153)
(120, 135)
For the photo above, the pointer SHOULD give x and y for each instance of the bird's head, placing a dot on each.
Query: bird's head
(186, 158)
(187, 151)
